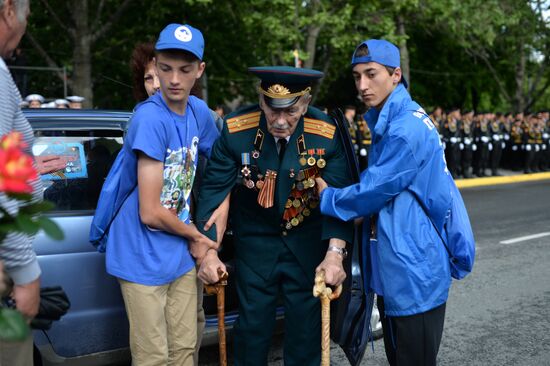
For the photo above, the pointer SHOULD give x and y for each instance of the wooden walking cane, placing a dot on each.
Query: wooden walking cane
(218, 289)
(325, 295)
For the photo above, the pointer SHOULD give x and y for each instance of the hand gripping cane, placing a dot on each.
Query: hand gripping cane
(325, 294)
(218, 289)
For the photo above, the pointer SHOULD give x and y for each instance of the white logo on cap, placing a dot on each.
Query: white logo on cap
(183, 34)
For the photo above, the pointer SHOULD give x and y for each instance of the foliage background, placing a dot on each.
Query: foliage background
(473, 54)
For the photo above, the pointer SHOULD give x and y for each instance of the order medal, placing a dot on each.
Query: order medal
(311, 160)
(321, 163)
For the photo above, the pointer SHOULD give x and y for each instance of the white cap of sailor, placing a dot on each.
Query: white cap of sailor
(48, 105)
(61, 103)
(75, 101)
(34, 100)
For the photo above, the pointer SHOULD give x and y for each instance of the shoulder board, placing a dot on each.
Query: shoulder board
(319, 127)
(243, 122)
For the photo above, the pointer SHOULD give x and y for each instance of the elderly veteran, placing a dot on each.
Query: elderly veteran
(274, 150)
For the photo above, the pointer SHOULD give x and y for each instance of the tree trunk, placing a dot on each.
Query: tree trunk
(82, 55)
(519, 96)
(405, 60)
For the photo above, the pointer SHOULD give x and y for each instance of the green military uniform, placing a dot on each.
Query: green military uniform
(277, 248)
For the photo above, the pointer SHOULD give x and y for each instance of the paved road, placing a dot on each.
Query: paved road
(499, 314)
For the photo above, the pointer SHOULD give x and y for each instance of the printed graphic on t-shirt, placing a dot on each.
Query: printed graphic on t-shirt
(179, 174)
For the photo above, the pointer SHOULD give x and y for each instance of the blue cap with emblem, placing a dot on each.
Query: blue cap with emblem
(181, 37)
(282, 86)
(379, 51)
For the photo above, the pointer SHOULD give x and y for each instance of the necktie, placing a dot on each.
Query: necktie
(282, 148)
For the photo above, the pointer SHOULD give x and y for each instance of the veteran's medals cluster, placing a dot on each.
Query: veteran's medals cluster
(303, 197)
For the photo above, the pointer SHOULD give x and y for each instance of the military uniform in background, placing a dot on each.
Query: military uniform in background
(280, 235)
(529, 141)
(451, 139)
(516, 135)
(497, 131)
(365, 140)
(468, 147)
(545, 163)
(482, 140)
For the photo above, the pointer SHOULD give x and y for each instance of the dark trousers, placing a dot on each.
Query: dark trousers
(412, 340)
(257, 309)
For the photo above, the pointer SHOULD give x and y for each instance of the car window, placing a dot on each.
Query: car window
(74, 164)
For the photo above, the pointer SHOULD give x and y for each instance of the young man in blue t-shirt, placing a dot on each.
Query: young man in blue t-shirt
(152, 240)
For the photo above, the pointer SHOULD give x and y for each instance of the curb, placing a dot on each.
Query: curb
(490, 181)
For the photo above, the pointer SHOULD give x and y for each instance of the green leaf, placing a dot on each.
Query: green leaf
(13, 327)
(51, 228)
(20, 196)
(37, 207)
(25, 224)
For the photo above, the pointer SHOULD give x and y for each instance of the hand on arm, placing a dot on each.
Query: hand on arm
(219, 217)
(321, 184)
(332, 264)
(154, 215)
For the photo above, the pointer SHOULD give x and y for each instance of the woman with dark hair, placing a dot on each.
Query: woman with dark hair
(144, 77)
(145, 80)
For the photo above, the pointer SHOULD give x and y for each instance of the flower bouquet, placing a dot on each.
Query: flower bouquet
(16, 170)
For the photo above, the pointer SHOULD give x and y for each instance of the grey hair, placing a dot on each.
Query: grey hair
(21, 7)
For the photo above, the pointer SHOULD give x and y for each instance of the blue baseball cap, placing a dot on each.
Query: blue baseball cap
(382, 52)
(181, 37)
(282, 86)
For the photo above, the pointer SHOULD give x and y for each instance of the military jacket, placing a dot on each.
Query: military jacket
(260, 233)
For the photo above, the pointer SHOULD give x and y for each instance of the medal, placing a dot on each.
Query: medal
(245, 162)
(288, 203)
(301, 175)
(300, 218)
(291, 175)
(258, 142)
(249, 183)
(303, 160)
(300, 186)
(311, 182)
(294, 221)
(306, 212)
(313, 204)
(296, 203)
(301, 145)
(311, 160)
(321, 163)
(288, 225)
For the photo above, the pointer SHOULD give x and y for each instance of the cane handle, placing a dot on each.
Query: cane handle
(320, 289)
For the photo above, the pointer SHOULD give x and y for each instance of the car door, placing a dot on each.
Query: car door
(350, 315)
(96, 322)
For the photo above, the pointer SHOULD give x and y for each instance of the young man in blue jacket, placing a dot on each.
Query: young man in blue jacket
(406, 180)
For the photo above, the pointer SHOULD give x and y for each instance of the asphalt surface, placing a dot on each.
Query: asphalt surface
(500, 313)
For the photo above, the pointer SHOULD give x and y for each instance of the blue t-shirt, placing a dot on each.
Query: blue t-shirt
(135, 252)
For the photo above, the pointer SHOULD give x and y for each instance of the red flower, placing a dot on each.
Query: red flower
(12, 140)
(16, 167)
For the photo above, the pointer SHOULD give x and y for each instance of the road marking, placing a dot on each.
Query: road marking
(490, 181)
(524, 238)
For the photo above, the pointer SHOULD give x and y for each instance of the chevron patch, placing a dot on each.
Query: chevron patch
(320, 128)
(243, 122)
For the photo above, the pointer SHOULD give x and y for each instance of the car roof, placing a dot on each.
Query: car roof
(76, 119)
